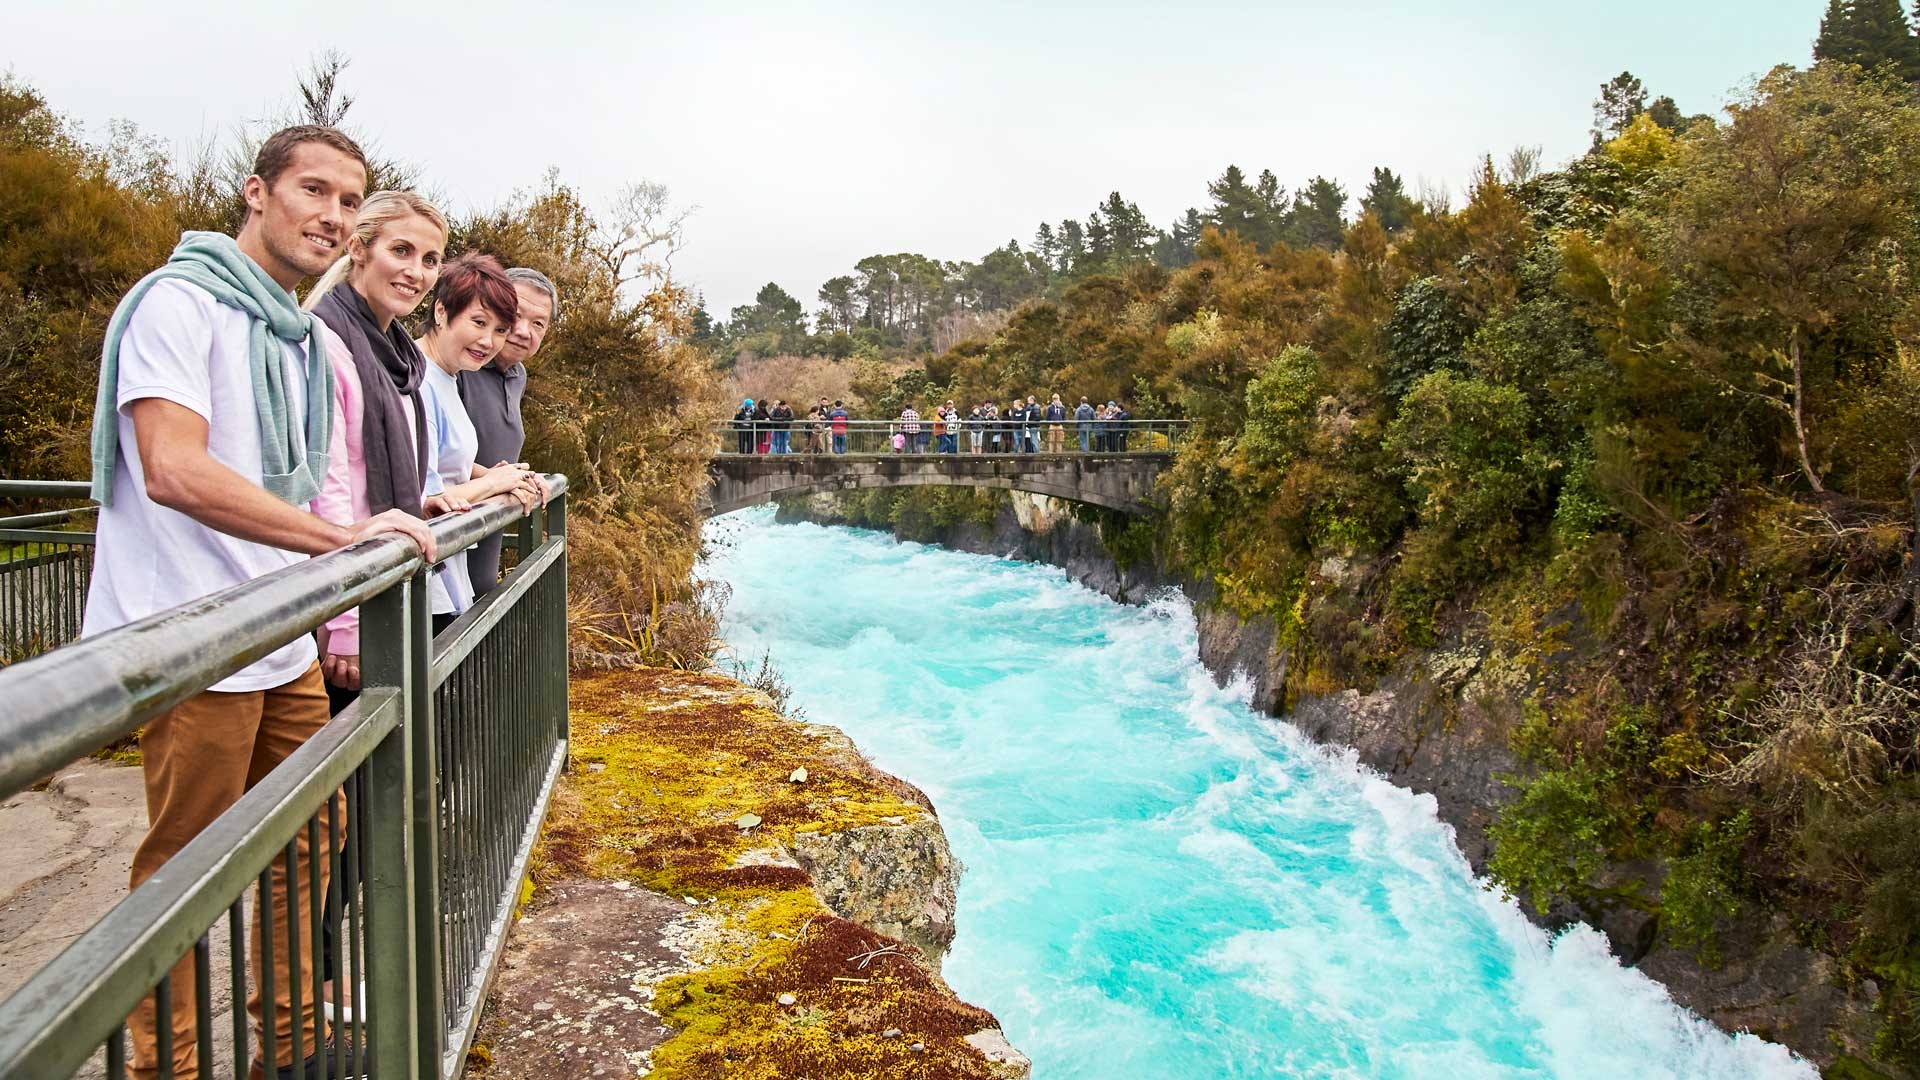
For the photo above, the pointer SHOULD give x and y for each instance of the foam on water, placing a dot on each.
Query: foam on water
(1160, 882)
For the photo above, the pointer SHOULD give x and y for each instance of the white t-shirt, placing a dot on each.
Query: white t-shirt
(455, 444)
(186, 347)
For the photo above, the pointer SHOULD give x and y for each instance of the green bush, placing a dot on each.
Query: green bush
(1280, 408)
(1463, 447)
(1703, 886)
(1550, 841)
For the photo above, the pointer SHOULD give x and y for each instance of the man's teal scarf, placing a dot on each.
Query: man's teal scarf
(293, 463)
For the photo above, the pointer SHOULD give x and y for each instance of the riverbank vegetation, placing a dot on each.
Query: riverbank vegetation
(1641, 432)
(608, 397)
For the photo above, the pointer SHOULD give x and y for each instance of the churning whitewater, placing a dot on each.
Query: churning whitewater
(1159, 881)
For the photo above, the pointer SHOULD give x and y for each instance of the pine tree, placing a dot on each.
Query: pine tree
(1871, 33)
(1274, 210)
(1071, 248)
(1319, 214)
(1130, 236)
(1387, 200)
(1237, 207)
(1044, 245)
(1620, 101)
(1666, 112)
(1176, 247)
(1836, 40)
(1099, 244)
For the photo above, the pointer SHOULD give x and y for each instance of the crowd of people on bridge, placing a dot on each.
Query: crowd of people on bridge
(239, 430)
(1022, 426)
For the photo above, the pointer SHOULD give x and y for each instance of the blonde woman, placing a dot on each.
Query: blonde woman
(380, 453)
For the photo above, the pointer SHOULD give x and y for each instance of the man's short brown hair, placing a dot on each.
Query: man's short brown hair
(277, 152)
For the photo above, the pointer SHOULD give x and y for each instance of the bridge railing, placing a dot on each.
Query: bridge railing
(46, 560)
(1067, 437)
(398, 834)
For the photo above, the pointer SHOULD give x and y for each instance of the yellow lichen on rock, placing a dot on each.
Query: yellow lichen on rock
(665, 768)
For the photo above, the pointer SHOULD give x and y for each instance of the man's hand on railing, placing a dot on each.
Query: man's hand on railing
(394, 521)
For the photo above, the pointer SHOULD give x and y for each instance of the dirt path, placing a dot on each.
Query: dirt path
(64, 862)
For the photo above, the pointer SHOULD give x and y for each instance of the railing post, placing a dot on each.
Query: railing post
(558, 661)
(392, 994)
(424, 815)
(526, 536)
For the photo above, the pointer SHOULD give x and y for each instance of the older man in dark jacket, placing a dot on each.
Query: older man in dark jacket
(492, 396)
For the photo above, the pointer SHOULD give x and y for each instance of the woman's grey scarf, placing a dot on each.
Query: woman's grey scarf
(391, 371)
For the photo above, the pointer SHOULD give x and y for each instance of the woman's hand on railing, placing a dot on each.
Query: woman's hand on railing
(393, 521)
(539, 482)
(341, 671)
(446, 502)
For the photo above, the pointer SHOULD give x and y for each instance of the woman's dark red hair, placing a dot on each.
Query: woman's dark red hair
(476, 277)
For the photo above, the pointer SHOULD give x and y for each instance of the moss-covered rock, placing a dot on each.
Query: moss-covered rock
(764, 926)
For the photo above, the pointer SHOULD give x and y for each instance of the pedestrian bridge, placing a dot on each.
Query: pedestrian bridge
(1116, 472)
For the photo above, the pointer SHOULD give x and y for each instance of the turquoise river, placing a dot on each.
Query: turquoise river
(1159, 881)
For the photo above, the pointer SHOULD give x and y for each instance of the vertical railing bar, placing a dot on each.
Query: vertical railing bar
(445, 715)
(237, 970)
(446, 722)
(454, 950)
(471, 780)
(336, 932)
(391, 1007)
(163, 1023)
(117, 1054)
(480, 683)
(296, 1011)
(32, 577)
(356, 926)
(460, 774)
(203, 1003)
(486, 684)
(73, 604)
(268, 989)
(36, 582)
(316, 920)
(14, 647)
(422, 816)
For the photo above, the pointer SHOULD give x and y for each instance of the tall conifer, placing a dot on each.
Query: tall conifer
(1387, 197)
(1874, 34)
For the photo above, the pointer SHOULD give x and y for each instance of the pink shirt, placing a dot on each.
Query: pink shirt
(343, 496)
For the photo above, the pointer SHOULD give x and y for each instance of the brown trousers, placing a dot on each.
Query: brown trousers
(199, 758)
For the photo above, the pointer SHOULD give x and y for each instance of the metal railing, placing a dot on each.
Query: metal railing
(735, 438)
(46, 560)
(422, 800)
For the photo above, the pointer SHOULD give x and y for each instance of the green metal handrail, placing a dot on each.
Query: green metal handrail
(45, 564)
(391, 754)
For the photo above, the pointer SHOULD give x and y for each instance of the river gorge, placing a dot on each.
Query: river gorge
(1161, 881)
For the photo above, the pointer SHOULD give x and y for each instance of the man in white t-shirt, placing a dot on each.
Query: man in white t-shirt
(188, 516)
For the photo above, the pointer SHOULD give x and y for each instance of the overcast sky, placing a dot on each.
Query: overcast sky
(809, 136)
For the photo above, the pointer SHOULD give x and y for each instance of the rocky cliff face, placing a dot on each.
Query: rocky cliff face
(720, 890)
(1440, 724)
